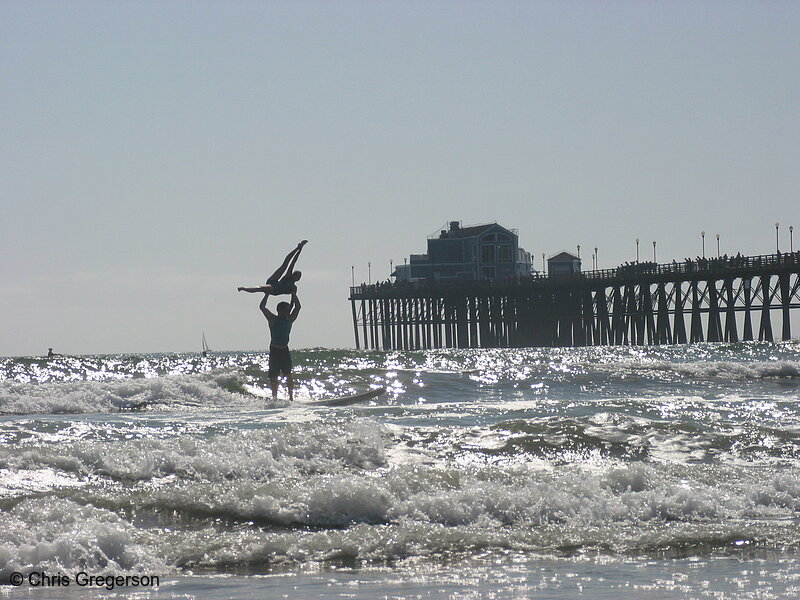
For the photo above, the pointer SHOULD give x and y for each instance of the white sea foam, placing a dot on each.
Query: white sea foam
(245, 455)
(337, 477)
(49, 534)
(75, 397)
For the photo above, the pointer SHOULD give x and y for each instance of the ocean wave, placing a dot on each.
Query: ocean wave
(636, 437)
(370, 521)
(350, 490)
(631, 451)
(243, 456)
(726, 369)
(74, 397)
(48, 534)
(108, 384)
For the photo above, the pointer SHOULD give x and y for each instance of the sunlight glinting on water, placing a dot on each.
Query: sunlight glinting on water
(186, 463)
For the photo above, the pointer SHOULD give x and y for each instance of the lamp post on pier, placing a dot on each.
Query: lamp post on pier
(596, 260)
(544, 269)
(654, 252)
(777, 244)
(717, 245)
(791, 240)
(703, 236)
(637, 250)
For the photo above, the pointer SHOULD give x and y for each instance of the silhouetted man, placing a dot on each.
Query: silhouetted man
(280, 326)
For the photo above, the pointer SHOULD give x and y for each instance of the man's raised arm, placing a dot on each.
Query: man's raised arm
(267, 312)
(295, 307)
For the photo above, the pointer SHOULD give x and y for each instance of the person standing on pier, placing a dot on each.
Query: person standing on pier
(280, 326)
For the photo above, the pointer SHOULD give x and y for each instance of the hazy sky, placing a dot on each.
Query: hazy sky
(155, 155)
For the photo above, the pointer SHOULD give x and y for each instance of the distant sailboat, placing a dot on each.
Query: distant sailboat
(205, 345)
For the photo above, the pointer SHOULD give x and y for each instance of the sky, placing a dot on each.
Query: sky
(155, 155)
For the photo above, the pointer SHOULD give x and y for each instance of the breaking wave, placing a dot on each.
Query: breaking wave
(356, 490)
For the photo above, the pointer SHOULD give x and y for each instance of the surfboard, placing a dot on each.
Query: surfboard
(146, 403)
(347, 400)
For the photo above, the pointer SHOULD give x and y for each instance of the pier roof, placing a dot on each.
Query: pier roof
(563, 256)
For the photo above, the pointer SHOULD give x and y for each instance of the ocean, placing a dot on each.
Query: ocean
(647, 473)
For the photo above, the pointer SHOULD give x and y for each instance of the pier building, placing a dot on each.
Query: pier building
(563, 263)
(488, 252)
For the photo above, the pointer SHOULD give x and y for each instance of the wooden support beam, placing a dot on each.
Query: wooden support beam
(783, 281)
(748, 323)
(663, 334)
(364, 323)
(765, 327)
(714, 324)
(696, 326)
(731, 333)
(679, 321)
(648, 317)
(618, 321)
(355, 323)
(462, 323)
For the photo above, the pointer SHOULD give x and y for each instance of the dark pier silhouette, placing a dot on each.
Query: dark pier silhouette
(716, 299)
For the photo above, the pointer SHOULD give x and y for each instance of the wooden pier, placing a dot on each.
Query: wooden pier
(721, 299)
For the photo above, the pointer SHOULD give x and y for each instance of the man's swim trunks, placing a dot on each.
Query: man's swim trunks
(280, 362)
